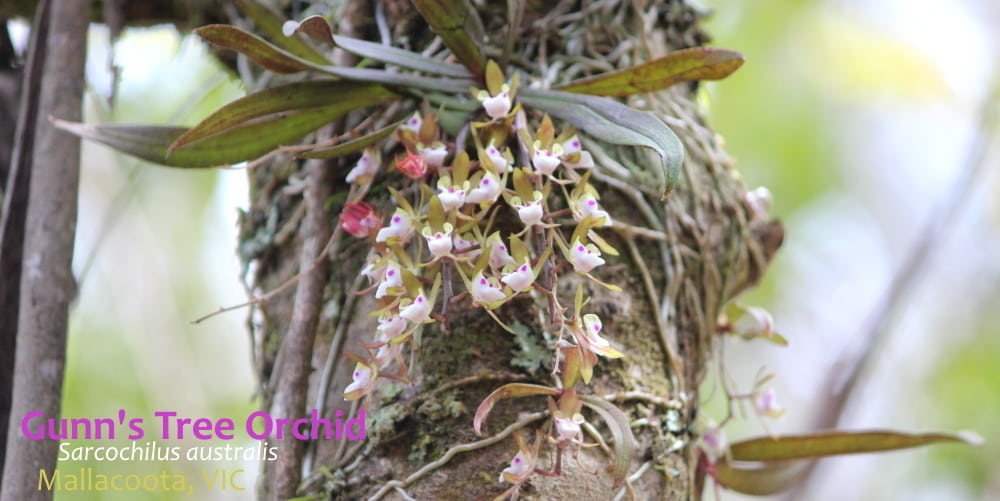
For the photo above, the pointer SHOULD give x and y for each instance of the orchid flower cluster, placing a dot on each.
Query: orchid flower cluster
(443, 224)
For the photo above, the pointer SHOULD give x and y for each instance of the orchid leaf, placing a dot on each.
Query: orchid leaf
(615, 123)
(459, 27)
(271, 22)
(831, 443)
(758, 479)
(295, 96)
(697, 63)
(353, 145)
(232, 146)
(621, 432)
(398, 79)
(255, 48)
(400, 57)
(281, 61)
(315, 27)
(507, 391)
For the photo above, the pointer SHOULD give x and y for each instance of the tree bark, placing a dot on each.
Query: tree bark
(681, 260)
(47, 283)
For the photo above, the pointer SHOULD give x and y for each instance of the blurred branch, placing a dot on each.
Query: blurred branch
(296, 352)
(185, 13)
(850, 369)
(12, 214)
(47, 286)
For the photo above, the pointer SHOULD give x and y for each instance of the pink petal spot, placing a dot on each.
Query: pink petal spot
(524, 267)
(503, 247)
(390, 273)
(437, 235)
(591, 202)
(420, 299)
(357, 374)
(486, 181)
(396, 219)
(576, 144)
(581, 248)
(482, 281)
(517, 460)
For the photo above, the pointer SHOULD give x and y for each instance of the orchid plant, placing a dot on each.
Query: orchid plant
(450, 184)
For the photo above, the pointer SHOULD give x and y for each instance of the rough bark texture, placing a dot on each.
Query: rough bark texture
(705, 244)
(47, 283)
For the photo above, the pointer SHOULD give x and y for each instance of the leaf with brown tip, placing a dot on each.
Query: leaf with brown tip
(316, 27)
(255, 48)
(507, 391)
(271, 22)
(697, 63)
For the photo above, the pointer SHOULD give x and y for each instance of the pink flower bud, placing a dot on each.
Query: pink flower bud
(414, 166)
(357, 219)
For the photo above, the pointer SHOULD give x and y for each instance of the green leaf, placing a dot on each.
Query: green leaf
(613, 122)
(271, 21)
(757, 479)
(398, 79)
(507, 391)
(831, 443)
(698, 63)
(255, 48)
(458, 25)
(294, 96)
(400, 57)
(621, 433)
(280, 61)
(232, 146)
(353, 145)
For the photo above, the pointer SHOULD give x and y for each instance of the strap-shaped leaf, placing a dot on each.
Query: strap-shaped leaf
(294, 96)
(698, 63)
(831, 443)
(270, 22)
(278, 60)
(613, 122)
(399, 79)
(459, 26)
(232, 146)
(353, 145)
(621, 432)
(400, 57)
(255, 48)
(507, 391)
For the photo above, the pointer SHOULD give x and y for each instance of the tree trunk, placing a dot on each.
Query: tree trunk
(683, 259)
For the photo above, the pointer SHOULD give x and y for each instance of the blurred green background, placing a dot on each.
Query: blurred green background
(856, 115)
(859, 117)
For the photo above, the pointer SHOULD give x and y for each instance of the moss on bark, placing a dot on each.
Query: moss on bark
(702, 247)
